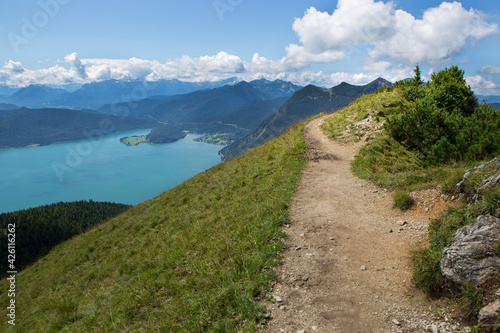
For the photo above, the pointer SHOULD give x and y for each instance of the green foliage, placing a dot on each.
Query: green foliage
(198, 258)
(444, 123)
(425, 129)
(403, 200)
(417, 80)
(38, 230)
(427, 272)
(451, 93)
(470, 299)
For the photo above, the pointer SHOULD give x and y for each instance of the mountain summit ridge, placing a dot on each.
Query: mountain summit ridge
(305, 103)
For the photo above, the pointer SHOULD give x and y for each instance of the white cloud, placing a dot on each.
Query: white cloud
(490, 69)
(376, 66)
(14, 74)
(352, 23)
(437, 37)
(302, 56)
(482, 86)
(208, 68)
(77, 66)
(440, 34)
(205, 68)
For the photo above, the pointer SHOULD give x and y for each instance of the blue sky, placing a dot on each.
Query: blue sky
(323, 42)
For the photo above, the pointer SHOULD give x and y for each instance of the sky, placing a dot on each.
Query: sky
(322, 42)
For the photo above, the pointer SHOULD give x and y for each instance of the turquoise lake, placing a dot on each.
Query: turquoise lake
(103, 169)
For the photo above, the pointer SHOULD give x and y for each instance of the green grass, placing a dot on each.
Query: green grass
(198, 258)
(425, 261)
(403, 200)
(379, 105)
(133, 140)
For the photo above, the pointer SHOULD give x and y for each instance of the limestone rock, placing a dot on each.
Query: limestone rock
(471, 257)
(490, 314)
(475, 193)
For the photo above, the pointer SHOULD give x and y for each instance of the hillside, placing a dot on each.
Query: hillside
(197, 258)
(35, 96)
(39, 229)
(6, 106)
(303, 104)
(202, 105)
(26, 127)
(275, 89)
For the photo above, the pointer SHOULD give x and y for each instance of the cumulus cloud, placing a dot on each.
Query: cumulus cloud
(490, 69)
(376, 66)
(482, 86)
(441, 33)
(14, 74)
(205, 68)
(352, 23)
(77, 65)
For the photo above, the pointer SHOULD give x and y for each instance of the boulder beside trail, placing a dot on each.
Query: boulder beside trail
(472, 257)
(490, 314)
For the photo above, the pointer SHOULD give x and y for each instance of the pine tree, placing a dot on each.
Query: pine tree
(417, 80)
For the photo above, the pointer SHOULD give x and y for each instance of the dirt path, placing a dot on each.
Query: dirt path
(346, 264)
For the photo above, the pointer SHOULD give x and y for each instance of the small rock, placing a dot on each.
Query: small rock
(331, 238)
(396, 322)
(363, 268)
(490, 314)
(278, 299)
(434, 328)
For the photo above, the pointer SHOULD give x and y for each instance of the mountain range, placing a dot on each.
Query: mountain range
(249, 113)
(202, 111)
(97, 94)
(305, 103)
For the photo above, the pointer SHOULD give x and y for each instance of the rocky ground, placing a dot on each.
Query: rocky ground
(346, 264)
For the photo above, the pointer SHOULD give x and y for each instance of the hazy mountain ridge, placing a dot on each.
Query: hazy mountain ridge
(97, 94)
(35, 95)
(305, 103)
(7, 106)
(27, 127)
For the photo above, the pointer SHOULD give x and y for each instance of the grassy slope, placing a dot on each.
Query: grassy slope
(196, 258)
(385, 161)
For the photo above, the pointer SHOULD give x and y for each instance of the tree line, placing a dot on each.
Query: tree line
(38, 230)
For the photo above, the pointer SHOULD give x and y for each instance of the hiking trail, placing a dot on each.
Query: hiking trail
(346, 265)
